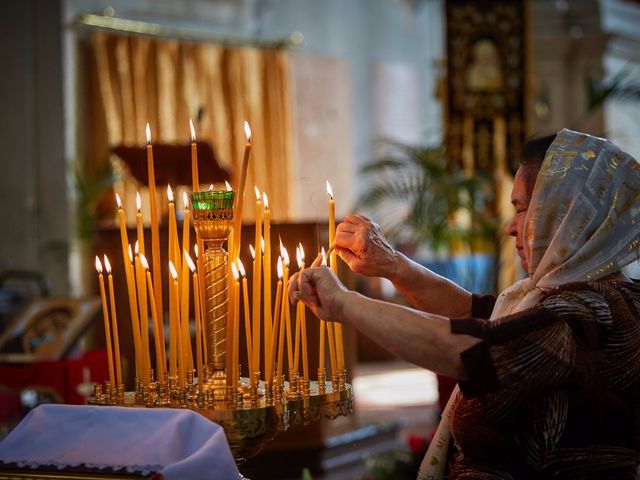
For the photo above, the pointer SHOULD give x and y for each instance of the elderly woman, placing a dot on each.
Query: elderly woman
(549, 372)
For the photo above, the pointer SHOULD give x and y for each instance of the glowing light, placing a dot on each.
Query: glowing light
(107, 265)
(280, 268)
(187, 257)
(98, 265)
(174, 272)
(193, 132)
(169, 193)
(247, 131)
(329, 190)
(118, 202)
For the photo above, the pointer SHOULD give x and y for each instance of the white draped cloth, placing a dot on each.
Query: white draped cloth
(582, 224)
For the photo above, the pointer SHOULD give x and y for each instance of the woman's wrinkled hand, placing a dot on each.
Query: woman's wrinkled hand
(362, 245)
(321, 291)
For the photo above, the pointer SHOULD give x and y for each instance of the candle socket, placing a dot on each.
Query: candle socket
(322, 382)
(293, 384)
(334, 382)
(342, 376)
(268, 393)
(98, 396)
(201, 400)
(120, 394)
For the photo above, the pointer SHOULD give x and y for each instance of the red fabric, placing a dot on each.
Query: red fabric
(63, 377)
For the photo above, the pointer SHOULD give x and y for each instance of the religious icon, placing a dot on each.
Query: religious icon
(485, 72)
(46, 329)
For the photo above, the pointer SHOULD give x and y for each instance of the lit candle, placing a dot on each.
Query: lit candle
(235, 330)
(173, 322)
(196, 309)
(185, 333)
(105, 316)
(301, 321)
(268, 319)
(139, 226)
(255, 336)
(322, 323)
(144, 315)
(131, 289)
(114, 322)
(137, 341)
(155, 233)
(158, 327)
(285, 319)
(334, 266)
(240, 196)
(184, 278)
(247, 319)
(194, 161)
(272, 344)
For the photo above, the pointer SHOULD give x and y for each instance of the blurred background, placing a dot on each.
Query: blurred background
(413, 110)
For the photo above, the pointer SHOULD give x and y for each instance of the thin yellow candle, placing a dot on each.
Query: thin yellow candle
(198, 318)
(158, 329)
(185, 332)
(268, 319)
(255, 314)
(173, 321)
(105, 316)
(114, 322)
(144, 315)
(174, 246)
(131, 289)
(247, 317)
(322, 323)
(240, 196)
(184, 278)
(195, 180)
(274, 337)
(139, 226)
(155, 232)
(334, 266)
(200, 263)
(235, 336)
(301, 320)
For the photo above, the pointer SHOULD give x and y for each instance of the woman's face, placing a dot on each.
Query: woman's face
(520, 200)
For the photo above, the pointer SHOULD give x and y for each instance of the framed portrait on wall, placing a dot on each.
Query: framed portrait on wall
(47, 329)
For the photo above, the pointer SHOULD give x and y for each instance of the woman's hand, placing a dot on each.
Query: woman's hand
(321, 291)
(362, 245)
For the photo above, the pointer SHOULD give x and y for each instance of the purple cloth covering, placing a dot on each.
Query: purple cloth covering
(180, 444)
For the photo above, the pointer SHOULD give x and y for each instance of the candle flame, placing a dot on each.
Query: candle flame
(98, 265)
(118, 202)
(136, 248)
(187, 257)
(234, 270)
(148, 132)
(284, 253)
(247, 131)
(195, 250)
(241, 268)
(329, 190)
(262, 244)
(257, 194)
(143, 262)
(107, 265)
(228, 185)
(253, 251)
(265, 200)
(169, 193)
(173, 271)
(138, 202)
(324, 258)
(130, 254)
(211, 187)
(280, 268)
(185, 200)
(193, 131)
(300, 255)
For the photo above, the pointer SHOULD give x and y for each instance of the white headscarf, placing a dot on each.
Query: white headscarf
(583, 221)
(582, 224)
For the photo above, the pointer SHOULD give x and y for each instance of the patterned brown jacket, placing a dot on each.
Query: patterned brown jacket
(552, 391)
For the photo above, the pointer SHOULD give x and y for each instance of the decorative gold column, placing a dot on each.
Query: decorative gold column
(213, 219)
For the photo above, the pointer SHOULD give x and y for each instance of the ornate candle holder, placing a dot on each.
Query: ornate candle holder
(213, 220)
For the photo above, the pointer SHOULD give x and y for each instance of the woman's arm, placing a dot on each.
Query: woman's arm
(418, 337)
(361, 244)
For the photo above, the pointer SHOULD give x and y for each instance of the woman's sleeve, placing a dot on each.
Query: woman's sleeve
(541, 346)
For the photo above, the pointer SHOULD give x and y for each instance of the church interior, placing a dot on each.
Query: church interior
(135, 130)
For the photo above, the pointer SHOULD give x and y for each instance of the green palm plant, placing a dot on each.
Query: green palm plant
(422, 199)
